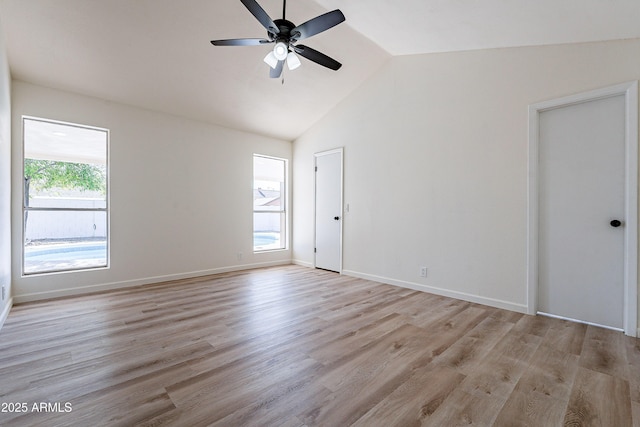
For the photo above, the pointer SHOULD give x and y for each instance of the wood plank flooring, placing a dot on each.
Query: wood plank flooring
(292, 346)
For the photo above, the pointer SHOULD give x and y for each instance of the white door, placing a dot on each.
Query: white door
(581, 198)
(328, 233)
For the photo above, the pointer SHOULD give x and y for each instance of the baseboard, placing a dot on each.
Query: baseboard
(37, 296)
(18, 299)
(5, 311)
(492, 302)
(555, 316)
(302, 263)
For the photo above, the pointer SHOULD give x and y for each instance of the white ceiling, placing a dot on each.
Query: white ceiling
(405, 27)
(156, 53)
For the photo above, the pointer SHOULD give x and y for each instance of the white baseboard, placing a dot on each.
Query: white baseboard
(17, 299)
(5, 311)
(492, 302)
(36, 296)
(302, 263)
(555, 316)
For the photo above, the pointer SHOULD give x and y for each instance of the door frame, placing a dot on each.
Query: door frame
(630, 292)
(339, 150)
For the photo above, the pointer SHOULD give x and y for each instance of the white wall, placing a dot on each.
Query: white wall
(181, 194)
(436, 164)
(5, 180)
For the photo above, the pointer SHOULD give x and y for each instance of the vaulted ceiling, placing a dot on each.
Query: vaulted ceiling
(156, 54)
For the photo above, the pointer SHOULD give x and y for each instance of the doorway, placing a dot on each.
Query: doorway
(328, 210)
(583, 185)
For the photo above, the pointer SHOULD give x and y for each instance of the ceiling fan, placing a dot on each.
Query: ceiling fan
(285, 34)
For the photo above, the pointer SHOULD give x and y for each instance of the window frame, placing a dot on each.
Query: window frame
(283, 211)
(107, 208)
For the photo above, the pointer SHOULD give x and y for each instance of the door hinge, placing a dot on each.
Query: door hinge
(315, 250)
(316, 169)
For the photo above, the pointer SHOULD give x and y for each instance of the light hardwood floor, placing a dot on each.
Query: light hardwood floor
(292, 346)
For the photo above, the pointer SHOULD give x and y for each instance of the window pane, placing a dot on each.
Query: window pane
(269, 180)
(268, 184)
(65, 172)
(64, 165)
(64, 240)
(267, 233)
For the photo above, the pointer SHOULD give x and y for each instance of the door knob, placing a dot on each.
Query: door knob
(615, 223)
(337, 218)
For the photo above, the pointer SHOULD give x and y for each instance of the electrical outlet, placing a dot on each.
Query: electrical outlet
(423, 271)
(239, 255)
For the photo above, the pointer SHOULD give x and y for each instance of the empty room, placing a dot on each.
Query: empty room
(319, 213)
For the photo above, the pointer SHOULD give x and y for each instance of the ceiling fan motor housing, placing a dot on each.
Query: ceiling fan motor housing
(284, 35)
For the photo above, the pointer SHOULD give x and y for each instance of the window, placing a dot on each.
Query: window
(65, 209)
(269, 215)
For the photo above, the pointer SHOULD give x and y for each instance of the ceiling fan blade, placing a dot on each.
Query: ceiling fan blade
(317, 25)
(261, 15)
(317, 57)
(240, 42)
(274, 73)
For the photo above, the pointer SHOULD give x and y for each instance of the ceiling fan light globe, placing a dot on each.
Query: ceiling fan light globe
(271, 60)
(280, 51)
(293, 61)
